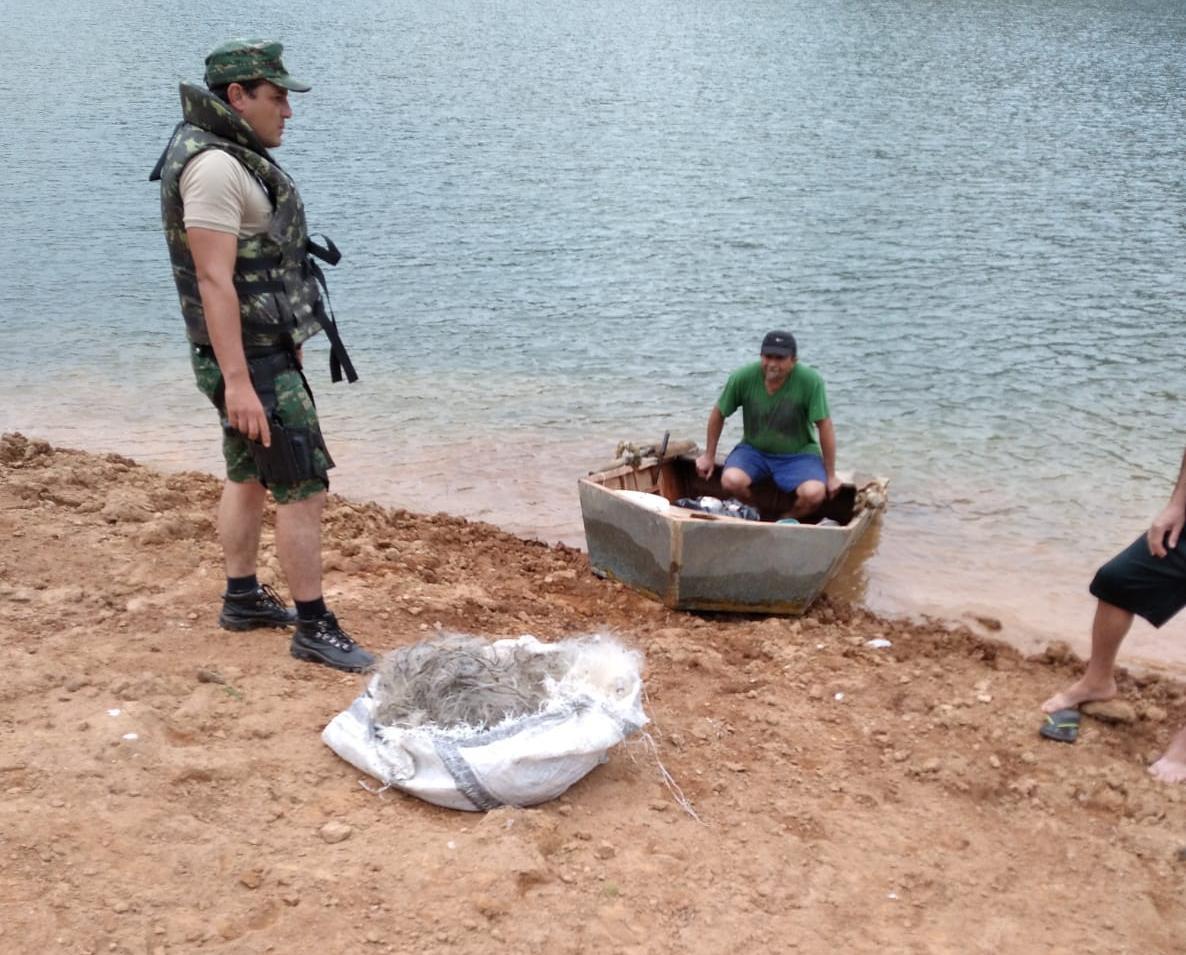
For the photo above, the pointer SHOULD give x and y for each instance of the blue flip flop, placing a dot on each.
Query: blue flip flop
(1062, 726)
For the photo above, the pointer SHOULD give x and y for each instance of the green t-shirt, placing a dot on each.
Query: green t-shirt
(781, 423)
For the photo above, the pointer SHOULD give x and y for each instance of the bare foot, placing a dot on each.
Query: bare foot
(1079, 693)
(1171, 768)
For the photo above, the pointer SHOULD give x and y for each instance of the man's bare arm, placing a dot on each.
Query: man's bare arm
(1166, 528)
(214, 256)
(827, 446)
(708, 460)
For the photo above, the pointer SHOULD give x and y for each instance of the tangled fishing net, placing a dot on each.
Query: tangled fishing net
(473, 724)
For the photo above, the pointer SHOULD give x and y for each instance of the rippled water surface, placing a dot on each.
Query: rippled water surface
(564, 223)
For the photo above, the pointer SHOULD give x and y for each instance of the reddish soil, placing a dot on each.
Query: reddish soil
(849, 799)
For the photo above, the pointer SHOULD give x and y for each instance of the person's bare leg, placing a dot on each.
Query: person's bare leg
(736, 483)
(1171, 768)
(298, 545)
(1108, 631)
(240, 517)
(809, 497)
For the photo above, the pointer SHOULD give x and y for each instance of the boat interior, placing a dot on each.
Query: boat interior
(676, 478)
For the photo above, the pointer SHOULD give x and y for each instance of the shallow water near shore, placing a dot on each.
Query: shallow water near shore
(563, 225)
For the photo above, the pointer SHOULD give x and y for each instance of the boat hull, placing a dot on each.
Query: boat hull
(689, 561)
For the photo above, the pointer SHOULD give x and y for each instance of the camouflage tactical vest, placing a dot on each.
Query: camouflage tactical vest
(278, 283)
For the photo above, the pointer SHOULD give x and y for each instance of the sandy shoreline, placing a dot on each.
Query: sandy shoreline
(917, 812)
(918, 562)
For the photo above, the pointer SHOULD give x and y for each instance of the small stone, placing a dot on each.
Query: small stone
(1026, 786)
(1144, 806)
(124, 507)
(1111, 711)
(490, 906)
(1059, 651)
(252, 878)
(1029, 758)
(605, 851)
(984, 697)
(374, 938)
(210, 676)
(994, 761)
(120, 907)
(335, 831)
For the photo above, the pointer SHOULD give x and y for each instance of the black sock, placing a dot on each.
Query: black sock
(241, 585)
(311, 609)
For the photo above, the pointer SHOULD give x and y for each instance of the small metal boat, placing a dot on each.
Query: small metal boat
(691, 560)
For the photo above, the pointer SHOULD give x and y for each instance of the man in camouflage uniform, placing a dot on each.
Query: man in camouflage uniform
(251, 294)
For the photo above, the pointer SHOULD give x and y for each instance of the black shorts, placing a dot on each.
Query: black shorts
(1136, 581)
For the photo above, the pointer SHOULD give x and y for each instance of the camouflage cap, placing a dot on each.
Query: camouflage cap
(239, 60)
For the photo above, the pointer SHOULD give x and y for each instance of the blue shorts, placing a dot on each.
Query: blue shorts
(787, 470)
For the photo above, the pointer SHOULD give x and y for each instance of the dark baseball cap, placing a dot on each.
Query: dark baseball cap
(238, 60)
(781, 344)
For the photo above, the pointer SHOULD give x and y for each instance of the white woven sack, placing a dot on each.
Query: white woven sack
(520, 762)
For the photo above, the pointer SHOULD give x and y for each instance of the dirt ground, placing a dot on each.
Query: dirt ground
(166, 789)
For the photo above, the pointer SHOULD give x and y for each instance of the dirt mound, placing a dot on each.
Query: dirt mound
(166, 789)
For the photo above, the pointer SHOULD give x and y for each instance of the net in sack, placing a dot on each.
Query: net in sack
(471, 724)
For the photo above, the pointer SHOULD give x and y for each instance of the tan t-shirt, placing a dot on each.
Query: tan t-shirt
(218, 193)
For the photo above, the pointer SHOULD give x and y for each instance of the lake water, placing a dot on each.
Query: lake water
(564, 223)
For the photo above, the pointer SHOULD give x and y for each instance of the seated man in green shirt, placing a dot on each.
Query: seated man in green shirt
(784, 405)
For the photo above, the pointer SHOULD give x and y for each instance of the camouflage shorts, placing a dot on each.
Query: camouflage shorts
(295, 409)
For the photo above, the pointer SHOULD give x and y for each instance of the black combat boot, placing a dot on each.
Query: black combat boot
(323, 641)
(261, 607)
